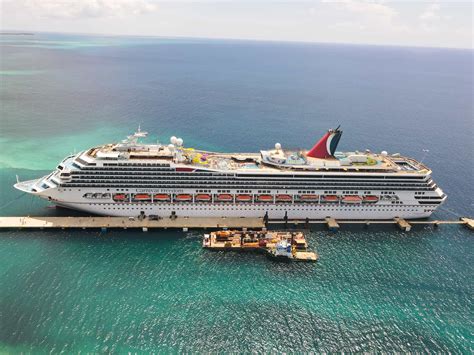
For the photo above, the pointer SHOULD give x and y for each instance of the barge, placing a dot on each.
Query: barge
(287, 245)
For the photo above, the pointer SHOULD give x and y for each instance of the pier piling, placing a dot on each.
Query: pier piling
(403, 225)
(333, 226)
(468, 222)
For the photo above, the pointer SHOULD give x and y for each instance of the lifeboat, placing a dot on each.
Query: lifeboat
(309, 198)
(370, 199)
(283, 198)
(183, 198)
(120, 197)
(265, 198)
(225, 198)
(161, 197)
(203, 197)
(352, 199)
(244, 198)
(141, 197)
(330, 198)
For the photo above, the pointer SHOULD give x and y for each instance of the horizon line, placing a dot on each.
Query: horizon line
(7, 32)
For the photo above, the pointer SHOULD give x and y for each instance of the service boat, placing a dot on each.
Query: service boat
(130, 178)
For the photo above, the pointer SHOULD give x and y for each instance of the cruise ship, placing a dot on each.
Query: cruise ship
(131, 178)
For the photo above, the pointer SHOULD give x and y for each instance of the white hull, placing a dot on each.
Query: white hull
(275, 211)
(407, 207)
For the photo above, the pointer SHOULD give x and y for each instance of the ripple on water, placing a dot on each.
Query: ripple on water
(129, 291)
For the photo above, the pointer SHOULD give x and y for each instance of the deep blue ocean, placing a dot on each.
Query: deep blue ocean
(375, 289)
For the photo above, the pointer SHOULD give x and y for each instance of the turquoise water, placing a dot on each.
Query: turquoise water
(373, 289)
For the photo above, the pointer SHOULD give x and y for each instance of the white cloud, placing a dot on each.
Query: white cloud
(70, 9)
(413, 22)
(366, 8)
(431, 13)
(432, 18)
(366, 16)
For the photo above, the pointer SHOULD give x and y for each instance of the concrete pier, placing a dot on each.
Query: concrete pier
(104, 223)
(403, 224)
(186, 223)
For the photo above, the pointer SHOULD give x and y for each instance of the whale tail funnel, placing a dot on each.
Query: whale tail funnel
(326, 146)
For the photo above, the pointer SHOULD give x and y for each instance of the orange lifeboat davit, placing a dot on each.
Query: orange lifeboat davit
(161, 197)
(120, 197)
(354, 199)
(330, 198)
(225, 198)
(142, 197)
(309, 198)
(183, 198)
(244, 198)
(265, 198)
(283, 198)
(370, 199)
(203, 197)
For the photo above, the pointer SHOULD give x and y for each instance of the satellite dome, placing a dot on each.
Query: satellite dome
(179, 142)
(384, 153)
(173, 140)
(277, 146)
(171, 146)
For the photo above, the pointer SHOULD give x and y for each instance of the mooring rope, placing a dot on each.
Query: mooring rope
(448, 210)
(9, 203)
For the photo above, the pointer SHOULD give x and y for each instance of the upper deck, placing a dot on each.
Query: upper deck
(271, 161)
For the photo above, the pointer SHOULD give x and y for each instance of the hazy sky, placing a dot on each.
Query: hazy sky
(416, 22)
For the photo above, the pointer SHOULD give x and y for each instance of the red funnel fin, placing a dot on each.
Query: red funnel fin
(326, 146)
(319, 150)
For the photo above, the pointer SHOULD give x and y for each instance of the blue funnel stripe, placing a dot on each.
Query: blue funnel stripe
(334, 142)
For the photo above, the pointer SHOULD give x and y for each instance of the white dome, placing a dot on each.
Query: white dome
(173, 140)
(179, 142)
(171, 146)
(277, 146)
(384, 153)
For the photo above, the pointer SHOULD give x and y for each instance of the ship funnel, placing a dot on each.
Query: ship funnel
(326, 146)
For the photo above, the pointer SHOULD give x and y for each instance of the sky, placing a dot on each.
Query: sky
(437, 23)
